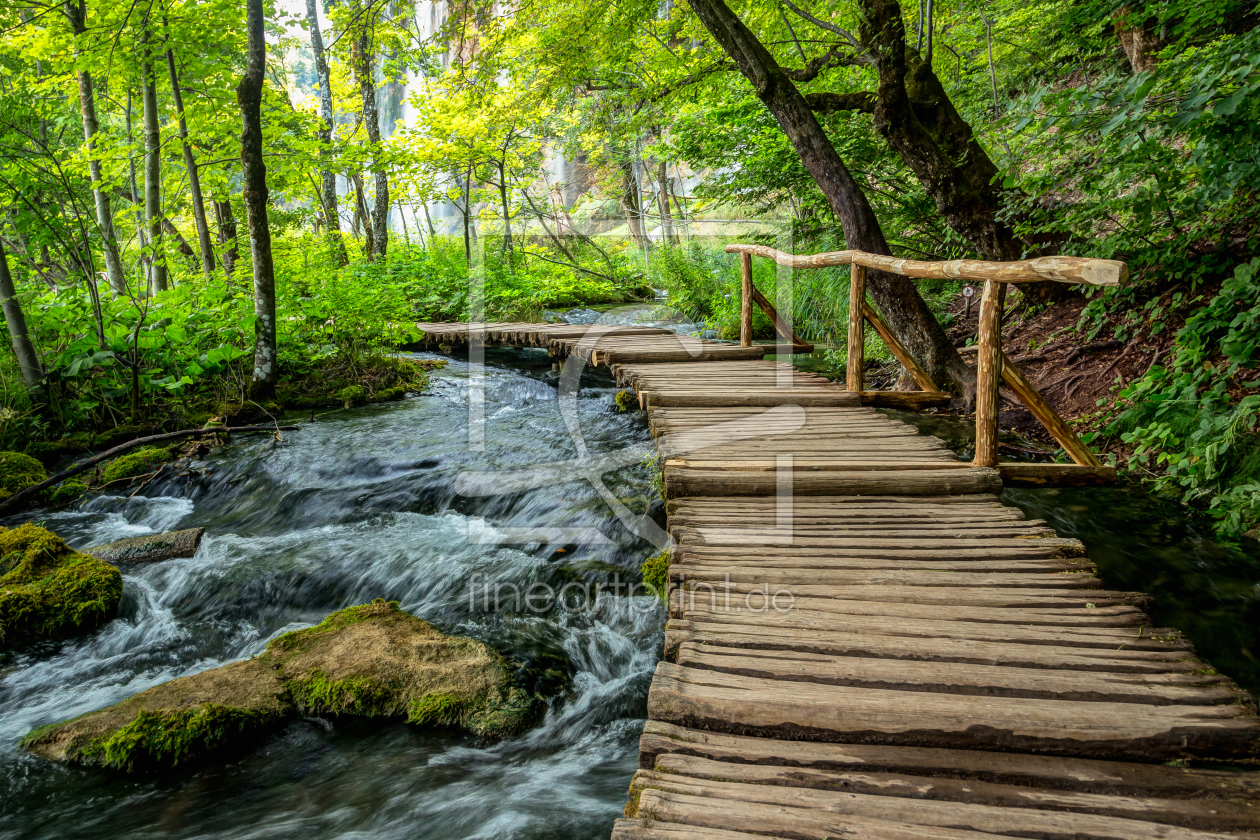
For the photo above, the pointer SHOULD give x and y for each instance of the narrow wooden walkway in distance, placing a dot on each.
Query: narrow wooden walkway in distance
(864, 642)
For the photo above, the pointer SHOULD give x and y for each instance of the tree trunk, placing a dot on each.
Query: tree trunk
(145, 254)
(181, 244)
(328, 179)
(668, 234)
(896, 297)
(467, 217)
(363, 65)
(249, 98)
(361, 219)
(507, 217)
(194, 179)
(1140, 42)
(77, 14)
(152, 169)
(19, 335)
(226, 222)
(632, 202)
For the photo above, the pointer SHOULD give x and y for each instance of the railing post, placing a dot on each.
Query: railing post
(745, 300)
(989, 373)
(857, 328)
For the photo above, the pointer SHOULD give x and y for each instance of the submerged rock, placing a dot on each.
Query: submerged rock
(372, 660)
(47, 589)
(149, 548)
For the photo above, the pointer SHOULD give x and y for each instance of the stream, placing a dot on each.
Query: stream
(360, 504)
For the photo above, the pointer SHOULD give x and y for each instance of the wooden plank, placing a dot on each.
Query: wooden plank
(957, 678)
(624, 829)
(745, 298)
(682, 482)
(856, 337)
(1034, 773)
(992, 819)
(949, 595)
(796, 823)
(1060, 269)
(1043, 411)
(759, 397)
(719, 701)
(822, 641)
(1211, 814)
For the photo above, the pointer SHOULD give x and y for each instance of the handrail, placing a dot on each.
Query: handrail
(992, 366)
(1059, 269)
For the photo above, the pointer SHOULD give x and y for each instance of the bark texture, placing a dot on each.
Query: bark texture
(194, 179)
(249, 98)
(152, 170)
(76, 14)
(328, 179)
(896, 297)
(364, 70)
(19, 335)
(225, 219)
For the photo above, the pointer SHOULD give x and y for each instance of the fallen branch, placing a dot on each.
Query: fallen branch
(1092, 348)
(21, 496)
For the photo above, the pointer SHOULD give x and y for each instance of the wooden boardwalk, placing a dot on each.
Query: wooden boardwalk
(864, 642)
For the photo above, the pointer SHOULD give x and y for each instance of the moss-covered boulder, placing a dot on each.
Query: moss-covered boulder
(372, 660)
(48, 590)
(19, 471)
(141, 461)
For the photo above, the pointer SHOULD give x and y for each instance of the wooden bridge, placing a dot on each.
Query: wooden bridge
(864, 642)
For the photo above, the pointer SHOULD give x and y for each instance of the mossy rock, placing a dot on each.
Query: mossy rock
(390, 394)
(67, 492)
(19, 471)
(656, 575)
(141, 461)
(150, 548)
(352, 395)
(48, 590)
(372, 660)
(626, 401)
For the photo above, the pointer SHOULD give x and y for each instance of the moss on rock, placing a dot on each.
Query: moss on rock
(66, 492)
(47, 589)
(144, 460)
(656, 575)
(19, 471)
(626, 401)
(352, 395)
(373, 660)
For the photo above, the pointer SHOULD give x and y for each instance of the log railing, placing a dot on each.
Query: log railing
(992, 366)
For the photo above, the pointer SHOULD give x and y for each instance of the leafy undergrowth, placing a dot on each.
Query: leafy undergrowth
(1162, 376)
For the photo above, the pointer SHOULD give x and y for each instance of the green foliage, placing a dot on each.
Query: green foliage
(626, 401)
(19, 471)
(656, 575)
(140, 461)
(47, 589)
(1188, 419)
(170, 737)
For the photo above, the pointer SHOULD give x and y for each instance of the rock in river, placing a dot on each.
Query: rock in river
(149, 548)
(372, 660)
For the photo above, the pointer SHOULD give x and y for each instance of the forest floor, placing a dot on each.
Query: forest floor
(1078, 376)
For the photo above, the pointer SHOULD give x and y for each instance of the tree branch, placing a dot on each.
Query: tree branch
(825, 102)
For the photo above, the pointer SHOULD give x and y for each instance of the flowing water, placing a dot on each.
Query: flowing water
(356, 506)
(360, 505)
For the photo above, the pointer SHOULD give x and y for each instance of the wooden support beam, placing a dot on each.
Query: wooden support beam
(745, 300)
(988, 374)
(1056, 475)
(907, 400)
(1060, 269)
(855, 361)
(921, 377)
(799, 345)
(1043, 411)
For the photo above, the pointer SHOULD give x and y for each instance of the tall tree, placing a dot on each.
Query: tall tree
(364, 70)
(897, 298)
(152, 164)
(226, 222)
(194, 179)
(19, 335)
(249, 97)
(76, 14)
(328, 179)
